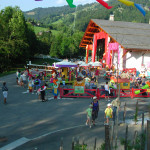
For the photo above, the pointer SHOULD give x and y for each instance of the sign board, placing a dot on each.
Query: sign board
(79, 89)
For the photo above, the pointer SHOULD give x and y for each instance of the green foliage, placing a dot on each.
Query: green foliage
(139, 142)
(41, 61)
(16, 38)
(102, 147)
(39, 29)
(67, 45)
(80, 147)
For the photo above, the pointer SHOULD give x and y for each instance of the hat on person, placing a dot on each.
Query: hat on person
(94, 97)
(109, 104)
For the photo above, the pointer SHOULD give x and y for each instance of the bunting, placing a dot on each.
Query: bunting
(104, 4)
(126, 2)
(70, 3)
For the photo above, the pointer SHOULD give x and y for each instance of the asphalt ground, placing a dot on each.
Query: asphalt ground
(45, 123)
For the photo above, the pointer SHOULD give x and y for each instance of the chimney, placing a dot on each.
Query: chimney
(111, 17)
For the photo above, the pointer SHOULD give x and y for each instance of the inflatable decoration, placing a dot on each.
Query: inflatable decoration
(104, 4)
(128, 3)
(143, 89)
(139, 7)
(111, 84)
(70, 3)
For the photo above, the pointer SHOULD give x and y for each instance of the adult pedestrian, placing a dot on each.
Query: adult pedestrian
(95, 109)
(42, 90)
(87, 82)
(106, 91)
(116, 107)
(5, 92)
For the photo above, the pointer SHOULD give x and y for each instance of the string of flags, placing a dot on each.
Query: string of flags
(103, 3)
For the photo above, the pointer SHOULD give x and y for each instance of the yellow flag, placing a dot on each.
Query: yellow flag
(128, 3)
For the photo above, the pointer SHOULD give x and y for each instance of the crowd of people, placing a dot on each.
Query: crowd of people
(38, 83)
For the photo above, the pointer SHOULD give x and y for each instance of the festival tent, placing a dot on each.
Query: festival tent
(80, 62)
(84, 64)
(95, 64)
(64, 64)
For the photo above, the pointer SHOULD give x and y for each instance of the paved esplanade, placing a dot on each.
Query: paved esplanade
(46, 122)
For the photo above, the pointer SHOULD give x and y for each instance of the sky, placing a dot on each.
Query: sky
(26, 5)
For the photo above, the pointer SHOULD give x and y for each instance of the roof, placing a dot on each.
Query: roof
(129, 35)
(121, 80)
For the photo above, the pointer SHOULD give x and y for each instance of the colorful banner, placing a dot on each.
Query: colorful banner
(139, 7)
(104, 4)
(128, 3)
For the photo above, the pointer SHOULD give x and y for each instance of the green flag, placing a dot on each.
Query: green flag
(70, 3)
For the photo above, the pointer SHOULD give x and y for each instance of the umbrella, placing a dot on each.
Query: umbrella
(80, 62)
(95, 64)
(84, 64)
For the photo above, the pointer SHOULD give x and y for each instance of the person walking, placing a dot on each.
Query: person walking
(108, 113)
(5, 92)
(89, 115)
(42, 90)
(95, 109)
(116, 107)
(106, 91)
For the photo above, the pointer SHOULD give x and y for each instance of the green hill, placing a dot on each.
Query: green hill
(52, 16)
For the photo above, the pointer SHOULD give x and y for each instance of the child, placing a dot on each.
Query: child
(5, 91)
(89, 115)
(108, 113)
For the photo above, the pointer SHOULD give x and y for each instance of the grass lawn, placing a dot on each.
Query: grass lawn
(55, 32)
(38, 29)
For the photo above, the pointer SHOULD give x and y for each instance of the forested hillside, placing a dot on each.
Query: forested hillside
(56, 16)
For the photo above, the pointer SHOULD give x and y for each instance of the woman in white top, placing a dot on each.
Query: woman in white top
(106, 91)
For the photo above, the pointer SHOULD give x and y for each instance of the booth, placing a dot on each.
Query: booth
(124, 83)
(65, 66)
